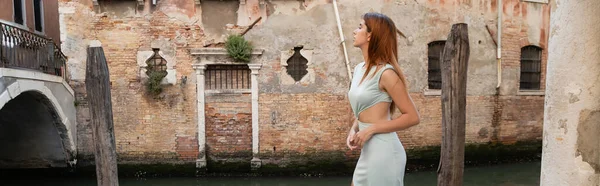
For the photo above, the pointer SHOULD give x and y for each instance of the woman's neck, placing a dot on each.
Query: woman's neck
(365, 52)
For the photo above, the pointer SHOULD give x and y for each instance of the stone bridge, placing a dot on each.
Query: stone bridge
(37, 120)
(37, 107)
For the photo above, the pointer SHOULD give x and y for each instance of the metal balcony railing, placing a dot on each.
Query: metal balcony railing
(22, 49)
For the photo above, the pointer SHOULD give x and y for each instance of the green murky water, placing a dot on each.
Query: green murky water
(521, 174)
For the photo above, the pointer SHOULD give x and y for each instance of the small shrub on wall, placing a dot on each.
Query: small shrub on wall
(238, 48)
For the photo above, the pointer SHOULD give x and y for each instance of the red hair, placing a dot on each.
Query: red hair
(383, 45)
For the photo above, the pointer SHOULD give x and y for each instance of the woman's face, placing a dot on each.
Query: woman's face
(361, 36)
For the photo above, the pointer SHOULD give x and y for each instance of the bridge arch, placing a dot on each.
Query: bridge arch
(37, 120)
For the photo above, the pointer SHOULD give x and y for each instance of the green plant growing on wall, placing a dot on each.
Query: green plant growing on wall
(238, 48)
(156, 71)
(153, 85)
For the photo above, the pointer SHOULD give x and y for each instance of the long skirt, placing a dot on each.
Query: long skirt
(382, 161)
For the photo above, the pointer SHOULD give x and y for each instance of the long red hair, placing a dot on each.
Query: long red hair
(383, 45)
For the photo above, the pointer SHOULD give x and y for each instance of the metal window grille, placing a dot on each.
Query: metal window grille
(531, 65)
(219, 77)
(297, 65)
(156, 63)
(434, 56)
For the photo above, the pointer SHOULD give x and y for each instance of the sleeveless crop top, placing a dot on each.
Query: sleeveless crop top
(367, 94)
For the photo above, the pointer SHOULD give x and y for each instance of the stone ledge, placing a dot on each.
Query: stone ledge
(531, 93)
(432, 92)
(219, 51)
(227, 91)
(537, 1)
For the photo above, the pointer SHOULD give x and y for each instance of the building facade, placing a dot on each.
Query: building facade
(37, 16)
(289, 104)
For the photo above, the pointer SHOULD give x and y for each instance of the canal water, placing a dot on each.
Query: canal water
(518, 174)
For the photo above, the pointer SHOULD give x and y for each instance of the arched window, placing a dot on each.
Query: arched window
(531, 68)
(434, 56)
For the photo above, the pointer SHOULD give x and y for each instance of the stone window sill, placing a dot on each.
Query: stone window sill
(432, 92)
(227, 91)
(536, 1)
(531, 93)
(21, 26)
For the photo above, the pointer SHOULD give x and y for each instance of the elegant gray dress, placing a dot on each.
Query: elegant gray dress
(382, 159)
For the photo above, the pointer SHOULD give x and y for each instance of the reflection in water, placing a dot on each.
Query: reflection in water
(524, 174)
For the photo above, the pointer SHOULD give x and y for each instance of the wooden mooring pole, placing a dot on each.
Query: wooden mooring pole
(98, 95)
(454, 63)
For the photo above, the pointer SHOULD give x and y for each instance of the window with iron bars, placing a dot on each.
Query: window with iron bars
(227, 77)
(531, 68)
(156, 63)
(297, 65)
(434, 72)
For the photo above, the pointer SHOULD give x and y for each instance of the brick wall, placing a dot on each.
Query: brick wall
(301, 123)
(147, 128)
(520, 119)
(229, 125)
(293, 119)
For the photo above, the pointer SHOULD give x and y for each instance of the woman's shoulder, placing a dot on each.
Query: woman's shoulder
(388, 66)
(361, 64)
(382, 68)
(387, 72)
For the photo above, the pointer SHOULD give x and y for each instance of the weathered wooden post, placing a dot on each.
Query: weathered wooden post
(454, 65)
(98, 95)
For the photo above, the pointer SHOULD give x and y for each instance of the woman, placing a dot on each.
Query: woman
(378, 87)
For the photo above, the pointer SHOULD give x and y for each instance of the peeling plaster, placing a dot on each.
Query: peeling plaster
(587, 139)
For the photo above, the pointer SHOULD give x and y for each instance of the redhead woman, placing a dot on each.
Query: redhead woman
(379, 87)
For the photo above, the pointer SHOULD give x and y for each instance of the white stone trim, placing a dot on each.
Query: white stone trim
(218, 51)
(207, 56)
(25, 85)
(63, 10)
(171, 77)
(4, 98)
(144, 55)
(537, 1)
(34, 75)
(432, 92)
(531, 92)
(201, 161)
(95, 43)
(14, 24)
(255, 127)
(233, 91)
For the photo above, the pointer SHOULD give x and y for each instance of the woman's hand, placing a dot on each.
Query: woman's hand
(363, 136)
(350, 140)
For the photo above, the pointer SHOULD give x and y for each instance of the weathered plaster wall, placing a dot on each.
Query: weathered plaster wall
(571, 153)
(312, 24)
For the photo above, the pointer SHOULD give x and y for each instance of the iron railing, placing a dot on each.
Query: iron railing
(22, 49)
(220, 77)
